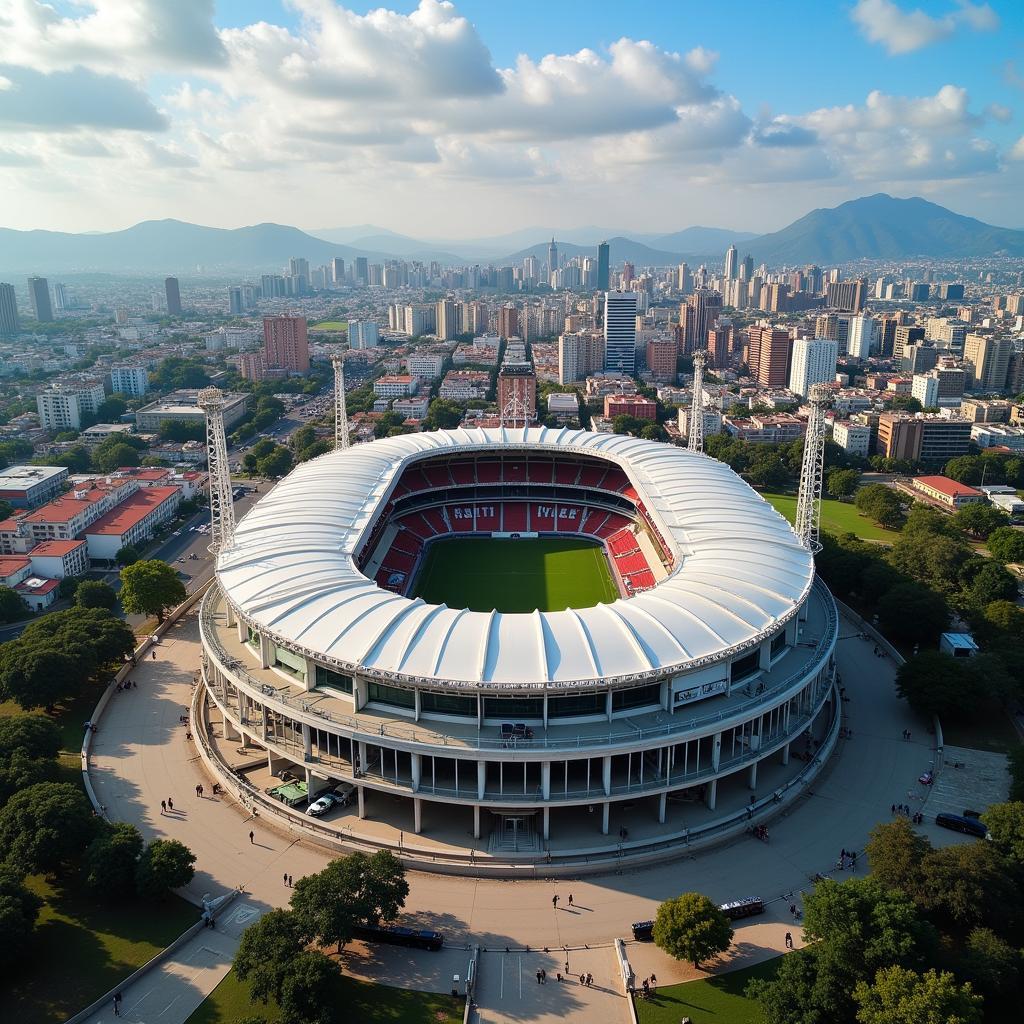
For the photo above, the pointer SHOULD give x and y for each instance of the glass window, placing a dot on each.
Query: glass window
(576, 704)
(636, 697)
(292, 663)
(328, 677)
(393, 695)
(448, 703)
(745, 666)
(778, 643)
(509, 709)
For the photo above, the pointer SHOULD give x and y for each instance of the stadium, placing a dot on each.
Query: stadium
(518, 645)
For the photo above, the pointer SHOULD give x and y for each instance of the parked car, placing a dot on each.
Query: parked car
(322, 804)
(960, 823)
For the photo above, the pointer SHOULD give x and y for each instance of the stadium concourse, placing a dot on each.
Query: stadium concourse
(141, 756)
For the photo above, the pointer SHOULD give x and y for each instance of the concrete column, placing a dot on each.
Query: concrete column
(764, 655)
(605, 817)
(608, 705)
(785, 754)
(243, 632)
(309, 683)
(606, 776)
(361, 801)
(418, 707)
(359, 692)
(307, 742)
(752, 780)
(716, 751)
(417, 771)
(712, 797)
(266, 652)
(662, 808)
(547, 823)
(476, 821)
(230, 730)
(417, 815)
(545, 779)
(481, 779)
(362, 756)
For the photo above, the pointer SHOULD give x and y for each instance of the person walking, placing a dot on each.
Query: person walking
(199, 791)
(590, 979)
(252, 838)
(290, 883)
(170, 804)
(538, 977)
(543, 976)
(789, 940)
(163, 806)
(117, 1007)
(554, 902)
(286, 879)
(570, 899)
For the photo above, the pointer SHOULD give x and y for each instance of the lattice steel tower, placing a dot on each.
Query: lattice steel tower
(808, 502)
(696, 432)
(341, 439)
(222, 508)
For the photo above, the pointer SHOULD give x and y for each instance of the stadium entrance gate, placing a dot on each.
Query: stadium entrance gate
(514, 833)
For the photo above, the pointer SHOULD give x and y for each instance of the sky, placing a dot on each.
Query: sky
(473, 118)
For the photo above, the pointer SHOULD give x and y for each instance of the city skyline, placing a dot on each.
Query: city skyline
(459, 120)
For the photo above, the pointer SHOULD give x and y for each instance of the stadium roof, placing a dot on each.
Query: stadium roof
(740, 571)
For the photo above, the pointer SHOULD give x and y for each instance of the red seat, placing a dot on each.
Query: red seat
(462, 472)
(539, 472)
(461, 517)
(614, 479)
(488, 471)
(514, 517)
(436, 521)
(438, 475)
(414, 479)
(590, 476)
(566, 472)
(569, 518)
(542, 516)
(399, 561)
(416, 524)
(514, 472)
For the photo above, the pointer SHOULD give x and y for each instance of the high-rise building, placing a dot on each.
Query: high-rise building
(272, 286)
(769, 357)
(517, 389)
(904, 335)
(39, 295)
(8, 309)
(337, 271)
(848, 296)
(298, 270)
(986, 360)
(603, 266)
(362, 270)
(683, 279)
(235, 301)
(132, 381)
(447, 319)
(552, 258)
(61, 297)
(813, 362)
(173, 293)
(363, 334)
(860, 337)
(580, 353)
(661, 359)
(747, 268)
(285, 343)
(508, 322)
(731, 263)
(620, 332)
(918, 358)
(930, 439)
(63, 406)
(925, 388)
(719, 345)
(697, 315)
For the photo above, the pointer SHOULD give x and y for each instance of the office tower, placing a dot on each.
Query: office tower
(661, 358)
(272, 286)
(769, 356)
(8, 310)
(132, 381)
(235, 300)
(552, 257)
(775, 298)
(918, 358)
(363, 334)
(697, 315)
(580, 353)
(173, 294)
(620, 332)
(603, 266)
(298, 269)
(447, 319)
(719, 346)
(61, 299)
(950, 292)
(285, 343)
(506, 280)
(905, 335)
(362, 270)
(337, 271)
(530, 269)
(860, 337)
(683, 279)
(747, 268)
(925, 388)
(813, 362)
(847, 295)
(731, 261)
(986, 360)
(508, 322)
(517, 390)
(39, 294)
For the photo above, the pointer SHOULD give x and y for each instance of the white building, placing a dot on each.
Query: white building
(132, 381)
(620, 332)
(860, 339)
(131, 522)
(395, 386)
(363, 334)
(854, 438)
(814, 362)
(987, 435)
(62, 406)
(925, 388)
(426, 365)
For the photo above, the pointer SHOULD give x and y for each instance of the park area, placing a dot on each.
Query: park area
(837, 517)
(717, 1000)
(485, 574)
(230, 1001)
(330, 325)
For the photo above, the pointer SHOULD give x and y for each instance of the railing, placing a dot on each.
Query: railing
(304, 704)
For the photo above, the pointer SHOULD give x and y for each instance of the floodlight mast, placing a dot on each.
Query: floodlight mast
(812, 471)
(222, 508)
(696, 431)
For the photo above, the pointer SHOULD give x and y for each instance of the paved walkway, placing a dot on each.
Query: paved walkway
(141, 756)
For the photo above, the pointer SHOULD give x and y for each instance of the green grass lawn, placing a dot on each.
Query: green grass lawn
(82, 948)
(837, 517)
(485, 573)
(357, 1001)
(330, 325)
(718, 1000)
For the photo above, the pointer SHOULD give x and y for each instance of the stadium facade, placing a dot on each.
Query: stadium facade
(704, 695)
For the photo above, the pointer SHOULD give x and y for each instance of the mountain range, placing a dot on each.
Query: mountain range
(872, 227)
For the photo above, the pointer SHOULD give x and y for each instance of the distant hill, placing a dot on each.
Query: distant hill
(165, 247)
(620, 250)
(881, 227)
(699, 240)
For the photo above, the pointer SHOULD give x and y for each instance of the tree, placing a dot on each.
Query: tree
(32, 735)
(12, 607)
(37, 676)
(964, 469)
(19, 908)
(895, 851)
(980, 520)
(443, 414)
(129, 554)
(880, 503)
(112, 859)
(809, 987)
(276, 464)
(266, 949)
(302, 438)
(111, 409)
(967, 886)
(1006, 544)
(691, 927)
(182, 430)
(933, 557)
(993, 966)
(109, 459)
(899, 996)
(986, 581)
(6, 509)
(150, 587)
(94, 594)
(350, 891)
(164, 865)
(842, 483)
(912, 613)
(307, 989)
(1005, 824)
(46, 827)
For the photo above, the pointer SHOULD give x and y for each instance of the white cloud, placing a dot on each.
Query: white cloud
(903, 31)
(1017, 150)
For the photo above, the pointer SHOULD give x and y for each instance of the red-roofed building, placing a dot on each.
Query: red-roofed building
(948, 492)
(67, 517)
(38, 593)
(13, 569)
(59, 558)
(132, 522)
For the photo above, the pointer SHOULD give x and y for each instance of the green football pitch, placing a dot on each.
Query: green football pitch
(486, 573)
